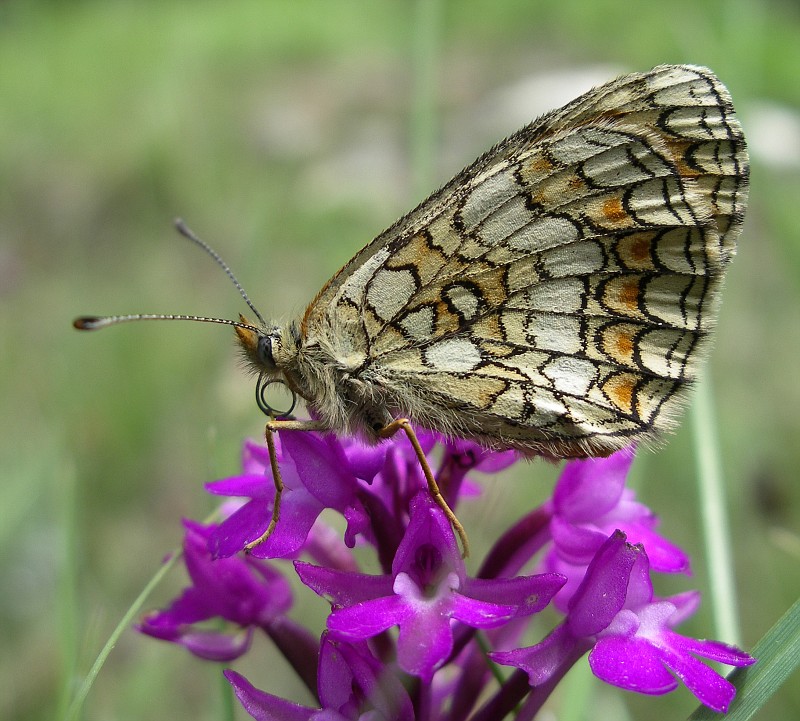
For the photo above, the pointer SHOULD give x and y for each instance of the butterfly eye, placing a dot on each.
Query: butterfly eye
(264, 352)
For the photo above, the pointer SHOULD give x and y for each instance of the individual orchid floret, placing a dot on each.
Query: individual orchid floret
(427, 589)
(352, 686)
(245, 592)
(613, 613)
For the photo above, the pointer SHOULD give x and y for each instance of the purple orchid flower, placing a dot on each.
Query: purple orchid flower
(245, 592)
(610, 611)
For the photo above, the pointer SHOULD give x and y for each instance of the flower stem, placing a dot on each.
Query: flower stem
(517, 545)
(506, 699)
(713, 503)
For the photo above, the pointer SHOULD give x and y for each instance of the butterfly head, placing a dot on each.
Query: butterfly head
(263, 347)
(267, 355)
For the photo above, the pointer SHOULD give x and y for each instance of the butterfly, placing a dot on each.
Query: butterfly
(555, 297)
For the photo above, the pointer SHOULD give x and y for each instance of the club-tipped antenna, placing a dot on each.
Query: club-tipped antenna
(96, 322)
(186, 232)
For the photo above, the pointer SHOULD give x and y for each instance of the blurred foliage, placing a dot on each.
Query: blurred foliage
(279, 130)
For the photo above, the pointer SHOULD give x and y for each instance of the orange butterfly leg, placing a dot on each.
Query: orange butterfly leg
(270, 428)
(433, 488)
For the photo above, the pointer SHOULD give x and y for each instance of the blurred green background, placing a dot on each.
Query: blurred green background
(283, 132)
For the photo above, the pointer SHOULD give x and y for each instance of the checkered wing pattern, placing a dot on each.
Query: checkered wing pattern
(557, 295)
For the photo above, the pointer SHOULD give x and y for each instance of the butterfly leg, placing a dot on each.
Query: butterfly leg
(270, 429)
(433, 488)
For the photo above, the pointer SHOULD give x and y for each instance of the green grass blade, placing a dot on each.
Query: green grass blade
(778, 654)
(74, 710)
(714, 505)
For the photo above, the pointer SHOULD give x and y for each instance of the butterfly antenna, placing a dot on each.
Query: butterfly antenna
(95, 322)
(184, 230)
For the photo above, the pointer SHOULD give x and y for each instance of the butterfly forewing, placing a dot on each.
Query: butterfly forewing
(556, 295)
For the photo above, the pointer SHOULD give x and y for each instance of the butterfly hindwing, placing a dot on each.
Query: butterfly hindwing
(556, 295)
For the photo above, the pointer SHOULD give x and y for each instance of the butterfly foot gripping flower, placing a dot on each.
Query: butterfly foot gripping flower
(316, 475)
